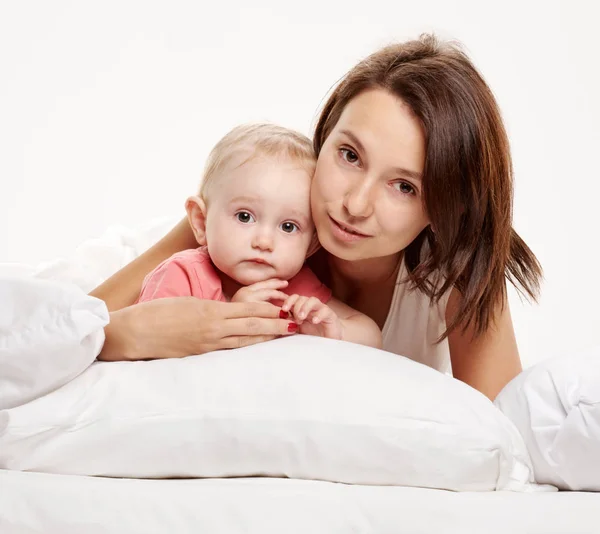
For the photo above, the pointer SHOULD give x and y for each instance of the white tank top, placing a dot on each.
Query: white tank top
(413, 325)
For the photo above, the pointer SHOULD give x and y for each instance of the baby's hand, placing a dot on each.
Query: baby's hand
(313, 317)
(266, 291)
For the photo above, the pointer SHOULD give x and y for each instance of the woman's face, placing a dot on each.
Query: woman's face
(366, 194)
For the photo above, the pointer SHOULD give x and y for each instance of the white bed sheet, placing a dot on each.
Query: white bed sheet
(63, 504)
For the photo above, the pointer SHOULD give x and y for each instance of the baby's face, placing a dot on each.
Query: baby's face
(258, 223)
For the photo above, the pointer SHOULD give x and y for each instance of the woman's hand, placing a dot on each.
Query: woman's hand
(184, 326)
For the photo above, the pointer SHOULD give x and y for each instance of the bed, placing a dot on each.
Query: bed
(61, 504)
(316, 484)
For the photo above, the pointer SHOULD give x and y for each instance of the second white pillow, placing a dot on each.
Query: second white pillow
(556, 406)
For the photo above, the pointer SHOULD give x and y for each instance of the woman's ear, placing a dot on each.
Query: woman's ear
(196, 212)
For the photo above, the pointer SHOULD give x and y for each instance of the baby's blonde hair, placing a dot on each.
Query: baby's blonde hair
(262, 139)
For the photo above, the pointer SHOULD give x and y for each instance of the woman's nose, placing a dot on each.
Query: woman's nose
(263, 240)
(358, 200)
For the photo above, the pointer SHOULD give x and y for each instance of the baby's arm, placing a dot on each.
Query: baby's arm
(170, 279)
(356, 326)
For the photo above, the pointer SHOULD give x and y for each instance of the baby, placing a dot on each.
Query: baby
(253, 223)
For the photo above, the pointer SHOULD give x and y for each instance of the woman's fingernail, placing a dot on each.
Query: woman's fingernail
(283, 314)
(292, 327)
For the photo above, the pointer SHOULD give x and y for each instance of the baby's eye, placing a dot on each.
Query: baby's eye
(289, 227)
(405, 188)
(244, 217)
(349, 155)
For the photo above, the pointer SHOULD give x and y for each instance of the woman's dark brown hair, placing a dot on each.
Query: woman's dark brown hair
(467, 177)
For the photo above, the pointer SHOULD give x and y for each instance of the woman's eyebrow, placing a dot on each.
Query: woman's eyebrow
(354, 139)
(412, 175)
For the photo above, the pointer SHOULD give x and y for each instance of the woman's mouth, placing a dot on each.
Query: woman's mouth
(345, 232)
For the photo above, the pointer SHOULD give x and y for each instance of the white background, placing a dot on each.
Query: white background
(108, 109)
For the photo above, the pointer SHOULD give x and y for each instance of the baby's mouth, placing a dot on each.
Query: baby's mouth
(259, 261)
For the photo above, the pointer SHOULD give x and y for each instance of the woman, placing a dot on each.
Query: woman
(412, 201)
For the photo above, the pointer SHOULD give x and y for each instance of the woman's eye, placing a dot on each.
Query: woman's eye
(349, 155)
(404, 188)
(289, 227)
(244, 217)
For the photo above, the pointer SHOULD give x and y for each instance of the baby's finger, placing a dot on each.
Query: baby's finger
(289, 302)
(298, 310)
(312, 303)
(273, 283)
(323, 314)
(271, 294)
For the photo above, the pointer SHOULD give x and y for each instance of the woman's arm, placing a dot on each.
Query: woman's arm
(184, 326)
(488, 362)
(123, 288)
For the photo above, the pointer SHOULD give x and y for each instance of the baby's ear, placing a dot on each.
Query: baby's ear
(196, 212)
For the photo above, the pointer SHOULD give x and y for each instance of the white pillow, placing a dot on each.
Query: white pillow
(556, 407)
(299, 407)
(49, 333)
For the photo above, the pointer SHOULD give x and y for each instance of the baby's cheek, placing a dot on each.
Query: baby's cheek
(223, 251)
(293, 261)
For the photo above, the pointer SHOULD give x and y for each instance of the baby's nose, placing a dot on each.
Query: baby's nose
(263, 241)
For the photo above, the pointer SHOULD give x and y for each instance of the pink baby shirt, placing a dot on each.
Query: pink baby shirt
(192, 273)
